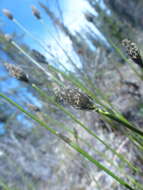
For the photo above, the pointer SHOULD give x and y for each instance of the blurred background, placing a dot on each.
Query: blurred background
(81, 38)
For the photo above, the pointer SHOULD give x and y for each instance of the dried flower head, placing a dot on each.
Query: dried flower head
(75, 132)
(17, 72)
(64, 138)
(89, 17)
(36, 12)
(38, 56)
(33, 107)
(133, 51)
(75, 98)
(8, 37)
(7, 13)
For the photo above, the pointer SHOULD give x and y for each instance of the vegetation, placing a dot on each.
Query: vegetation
(73, 122)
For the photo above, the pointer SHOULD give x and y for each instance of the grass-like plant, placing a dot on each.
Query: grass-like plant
(80, 97)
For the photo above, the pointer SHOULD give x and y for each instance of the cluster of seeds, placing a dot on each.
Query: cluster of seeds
(75, 98)
(133, 51)
(36, 12)
(8, 14)
(17, 72)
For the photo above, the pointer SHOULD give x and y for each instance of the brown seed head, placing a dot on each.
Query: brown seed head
(36, 12)
(17, 72)
(75, 98)
(33, 107)
(133, 51)
(7, 13)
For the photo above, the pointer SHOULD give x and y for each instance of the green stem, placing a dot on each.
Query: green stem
(120, 120)
(69, 142)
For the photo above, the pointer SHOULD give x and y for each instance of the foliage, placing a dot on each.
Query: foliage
(90, 101)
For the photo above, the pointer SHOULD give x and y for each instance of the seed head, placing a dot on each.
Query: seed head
(7, 13)
(17, 72)
(36, 12)
(64, 138)
(89, 17)
(38, 56)
(8, 37)
(33, 107)
(75, 98)
(133, 52)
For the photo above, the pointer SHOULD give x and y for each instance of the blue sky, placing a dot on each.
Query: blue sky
(21, 10)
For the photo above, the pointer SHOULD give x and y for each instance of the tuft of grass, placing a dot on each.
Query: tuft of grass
(80, 97)
(68, 141)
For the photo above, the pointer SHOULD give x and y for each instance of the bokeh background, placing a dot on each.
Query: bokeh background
(81, 38)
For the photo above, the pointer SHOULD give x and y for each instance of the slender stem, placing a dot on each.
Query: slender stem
(120, 120)
(69, 142)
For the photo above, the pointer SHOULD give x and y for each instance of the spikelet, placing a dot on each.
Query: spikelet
(17, 72)
(133, 52)
(38, 56)
(7, 13)
(8, 37)
(75, 98)
(34, 107)
(36, 12)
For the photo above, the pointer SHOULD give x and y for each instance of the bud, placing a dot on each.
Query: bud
(36, 12)
(7, 13)
(75, 98)
(17, 72)
(133, 52)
